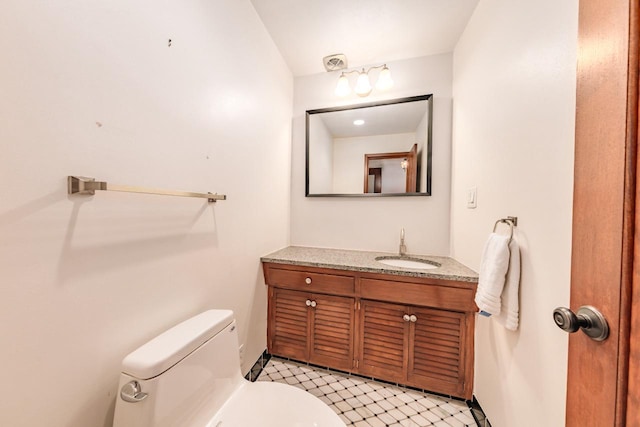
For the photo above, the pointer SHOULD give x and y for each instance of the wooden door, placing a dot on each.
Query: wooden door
(437, 351)
(604, 266)
(288, 325)
(412, 169)
(332, 324)
(385, 340)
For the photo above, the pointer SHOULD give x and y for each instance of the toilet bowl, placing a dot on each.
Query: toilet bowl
(189, 376)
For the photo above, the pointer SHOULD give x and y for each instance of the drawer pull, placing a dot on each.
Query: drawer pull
(308, 302)
(413, 318)
(313, 304)
(307, 280)
(406, 318)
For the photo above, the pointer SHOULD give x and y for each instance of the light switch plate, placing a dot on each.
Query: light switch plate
(472, 198)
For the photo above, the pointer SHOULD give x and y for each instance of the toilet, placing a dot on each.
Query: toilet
(189, 376)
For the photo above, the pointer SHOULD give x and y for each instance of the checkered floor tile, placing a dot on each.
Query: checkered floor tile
(361, 402)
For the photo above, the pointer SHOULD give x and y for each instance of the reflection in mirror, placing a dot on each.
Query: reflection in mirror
(400, 172)
(388, 143)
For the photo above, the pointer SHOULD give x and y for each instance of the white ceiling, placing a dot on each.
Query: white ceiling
(366, 31)
(379, 120)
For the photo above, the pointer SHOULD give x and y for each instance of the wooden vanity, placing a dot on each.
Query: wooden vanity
(350, 313)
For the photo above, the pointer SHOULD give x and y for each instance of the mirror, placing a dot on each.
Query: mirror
(374, 149)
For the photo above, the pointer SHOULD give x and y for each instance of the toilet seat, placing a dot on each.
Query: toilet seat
(267, 404)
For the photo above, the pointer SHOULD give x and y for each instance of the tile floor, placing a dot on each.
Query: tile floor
(361, 402)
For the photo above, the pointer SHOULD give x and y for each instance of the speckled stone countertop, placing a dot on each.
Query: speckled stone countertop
(350, 260)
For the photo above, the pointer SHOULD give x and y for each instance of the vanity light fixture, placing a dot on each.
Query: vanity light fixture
(363, 84)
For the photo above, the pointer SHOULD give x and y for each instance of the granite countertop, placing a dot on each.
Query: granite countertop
(364, 261)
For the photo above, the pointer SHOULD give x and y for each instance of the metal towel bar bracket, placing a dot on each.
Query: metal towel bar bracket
(512, 221)
(89, 186)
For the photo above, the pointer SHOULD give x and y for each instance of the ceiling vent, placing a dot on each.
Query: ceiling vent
(335, 62)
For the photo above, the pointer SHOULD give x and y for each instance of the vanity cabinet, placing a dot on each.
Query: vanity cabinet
(411, 330)
(414, 345)
(310, 326)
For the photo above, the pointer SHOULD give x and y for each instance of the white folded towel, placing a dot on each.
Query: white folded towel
(509, 314)
(493, 271)
(499, 280)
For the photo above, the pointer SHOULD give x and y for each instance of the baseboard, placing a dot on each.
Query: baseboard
(478, 413)
(257, 367)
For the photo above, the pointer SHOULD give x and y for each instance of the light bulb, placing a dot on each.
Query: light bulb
(343, 88)
(384, 79)
(363, 86)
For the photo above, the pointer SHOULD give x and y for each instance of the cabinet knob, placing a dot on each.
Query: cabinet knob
(313, 304)
(308, 302)
(307, 280)
(413, 318)
(406, 318)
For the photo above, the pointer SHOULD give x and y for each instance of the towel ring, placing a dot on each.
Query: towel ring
(509, 220)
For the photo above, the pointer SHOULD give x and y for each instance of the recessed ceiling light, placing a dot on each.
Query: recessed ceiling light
(358, 122)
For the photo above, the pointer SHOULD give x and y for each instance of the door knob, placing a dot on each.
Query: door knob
(588, 318)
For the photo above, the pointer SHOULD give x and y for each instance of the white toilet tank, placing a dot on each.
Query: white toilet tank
(183, 376)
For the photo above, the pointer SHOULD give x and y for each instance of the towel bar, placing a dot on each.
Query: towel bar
(83, 185)
(511, 221)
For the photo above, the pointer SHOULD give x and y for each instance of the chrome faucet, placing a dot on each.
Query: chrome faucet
(403, 247)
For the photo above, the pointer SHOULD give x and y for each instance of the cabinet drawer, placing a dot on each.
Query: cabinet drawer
(312, 282)
(418, 294)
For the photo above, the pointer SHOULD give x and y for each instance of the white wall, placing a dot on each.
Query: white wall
(514, 107)
(91, 87)
(374, 223)
(394, 178)
(321, 157)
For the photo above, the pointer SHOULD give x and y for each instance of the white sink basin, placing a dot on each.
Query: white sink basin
(404, 262)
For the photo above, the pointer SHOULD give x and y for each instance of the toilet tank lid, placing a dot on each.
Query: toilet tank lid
(170, 347)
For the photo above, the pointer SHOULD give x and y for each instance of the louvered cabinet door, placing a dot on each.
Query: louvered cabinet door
(438, 351)
(289, 323)
(332, 326)
(384, 340)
